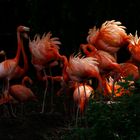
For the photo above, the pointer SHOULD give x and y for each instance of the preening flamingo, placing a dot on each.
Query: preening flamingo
(8, 66)
(109, 37)
(81, 69)
(78, 70)
(106, 60)
(44, 50)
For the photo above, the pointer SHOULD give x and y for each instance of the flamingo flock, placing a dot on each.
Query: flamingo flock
(97, 59)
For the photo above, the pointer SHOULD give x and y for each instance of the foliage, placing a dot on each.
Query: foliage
(115, 120)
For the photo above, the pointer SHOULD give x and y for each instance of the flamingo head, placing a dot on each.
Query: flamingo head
(2, 52)
(26, 78)
(87, 48)
(23, 30)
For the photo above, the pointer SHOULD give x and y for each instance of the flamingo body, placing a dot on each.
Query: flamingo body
(21, 93)
(82, 98)
(134, 48)
(110, 37)
(44, 50)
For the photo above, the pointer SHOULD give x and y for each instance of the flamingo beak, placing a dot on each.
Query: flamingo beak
(27, 29)
(2, 52)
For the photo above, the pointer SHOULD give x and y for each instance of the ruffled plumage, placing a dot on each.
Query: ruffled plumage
(134, 47)
(110, 34)
(79, 67)
(40, 45)
(43, 49)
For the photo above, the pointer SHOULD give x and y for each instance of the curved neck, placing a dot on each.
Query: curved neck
(65, 64)
(26, 79)
(20, 42)
(25, 67)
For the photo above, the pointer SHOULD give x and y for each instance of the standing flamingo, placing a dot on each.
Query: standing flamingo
(110, 37)
(18, 72)
(81, 99)
(45, 53)
(81, 96)
(80, 70)
(7, 67)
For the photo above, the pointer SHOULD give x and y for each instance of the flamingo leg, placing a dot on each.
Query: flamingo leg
(85, 103)
(77, 112)
(10, 109)
(45, 93)
(52, 90)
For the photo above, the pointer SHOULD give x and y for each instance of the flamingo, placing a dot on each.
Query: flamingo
(106, 60)
(82, 99)
(110, 37)
(130, 69)
(3, 53)
(81, 96)
(45, 54)
(80, 69)
(8, 66)
(18, 72)
(44, 50)
(134, 48)
(19, 93)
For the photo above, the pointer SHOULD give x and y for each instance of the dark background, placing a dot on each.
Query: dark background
(68, 20)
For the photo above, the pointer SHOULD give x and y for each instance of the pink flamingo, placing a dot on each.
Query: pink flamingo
(134, 48)
(106, 60)
(110, 37)
(8, 66)
(19, 93)
(45, 54)
(80, 98)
